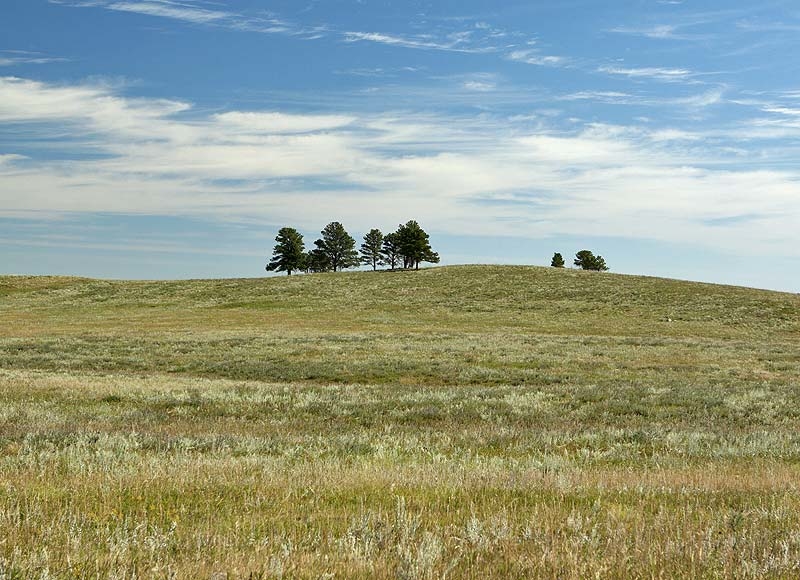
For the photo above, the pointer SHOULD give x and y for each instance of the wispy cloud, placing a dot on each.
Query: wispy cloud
(207, 14)
(455, 43)
(792, 112)
(662, 32)
(21, 57)
(657, 73)
(768, 26)
(705, 99)
(175, 10)
(691, 101)
(604, 96)
(532, 56)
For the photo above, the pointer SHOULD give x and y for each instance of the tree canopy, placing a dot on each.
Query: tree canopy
(390, 251)
(338, 246)
(586, 260)
(557, 261)
(288, 254)
(414, 245)
(371, 248)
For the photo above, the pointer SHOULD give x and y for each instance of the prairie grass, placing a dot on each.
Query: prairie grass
(453, 422)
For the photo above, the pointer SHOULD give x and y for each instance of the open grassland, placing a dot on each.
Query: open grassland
(453, 422)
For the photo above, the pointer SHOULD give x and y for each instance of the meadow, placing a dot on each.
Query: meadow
(456, 422)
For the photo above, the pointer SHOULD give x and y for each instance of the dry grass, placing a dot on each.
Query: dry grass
(456, 422)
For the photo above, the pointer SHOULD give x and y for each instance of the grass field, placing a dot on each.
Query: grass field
(459, 422)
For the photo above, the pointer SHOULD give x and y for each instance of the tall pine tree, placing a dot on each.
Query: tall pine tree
(371, 248)
(414, 245)
(390, 252)
(338, 246)
(288, 254)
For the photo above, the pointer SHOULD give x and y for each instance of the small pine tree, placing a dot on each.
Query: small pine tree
(371, 248)
(338, 246)
(288, 254)
(557, 261)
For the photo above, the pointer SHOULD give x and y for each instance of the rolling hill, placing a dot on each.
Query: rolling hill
(497, 420)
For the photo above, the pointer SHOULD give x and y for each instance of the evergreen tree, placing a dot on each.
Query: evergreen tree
(288, 254)
(317, 260)
(390, 252)
(371, 248)
(599, 264)
(414, 245)
(338, 246)
(588, 261)
(557, 261)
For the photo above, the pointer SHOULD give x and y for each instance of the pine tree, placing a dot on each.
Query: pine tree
(414, 245)
(338, 246)
(557, 261)
(390, 251)
(317, 260)
(288, 254)
(588, 261)
(371, 248)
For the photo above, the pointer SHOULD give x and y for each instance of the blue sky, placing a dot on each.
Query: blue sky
(172, 139)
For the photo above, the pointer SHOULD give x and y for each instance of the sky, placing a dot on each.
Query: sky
(173, 138)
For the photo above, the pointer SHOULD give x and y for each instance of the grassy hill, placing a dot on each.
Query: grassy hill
(504, 421)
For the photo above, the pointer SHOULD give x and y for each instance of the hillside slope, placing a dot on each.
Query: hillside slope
(459, 422)
(470, 324)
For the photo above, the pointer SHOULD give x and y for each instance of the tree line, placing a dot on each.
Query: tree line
(336, 250)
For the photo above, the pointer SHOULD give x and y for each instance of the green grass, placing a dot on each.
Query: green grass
(460, 422)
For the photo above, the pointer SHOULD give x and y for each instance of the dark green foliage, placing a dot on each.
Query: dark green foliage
(557, 261)
(338, 246)
(588, 261)
(414, 245)
(390, 251)
(317, 260)
(288, 254)
(371, 248)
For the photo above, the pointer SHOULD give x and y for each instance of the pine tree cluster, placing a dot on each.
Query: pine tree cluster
(406, 247)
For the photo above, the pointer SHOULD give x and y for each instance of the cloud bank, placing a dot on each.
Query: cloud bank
(106, 152)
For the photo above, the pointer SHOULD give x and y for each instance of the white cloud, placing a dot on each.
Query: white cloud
(9, 159)
(20, 57)
(705, 99)
(455, 42)
(530, 56)
(174, 10)
(663, 31)
(480, 86)
(458, 175)
(658, 73)
(194, 14)
(604, 96)
(783, 111)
